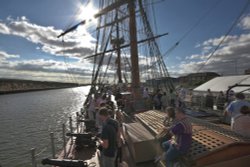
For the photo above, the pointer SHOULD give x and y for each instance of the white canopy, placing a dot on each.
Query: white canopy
(222, 83)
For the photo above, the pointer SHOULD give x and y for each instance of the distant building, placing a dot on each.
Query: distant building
(196, 79)
(247, 71)
(189, 81)
(160, 82)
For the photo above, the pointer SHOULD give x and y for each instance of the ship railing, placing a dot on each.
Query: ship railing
(199, 103)
(65, 150)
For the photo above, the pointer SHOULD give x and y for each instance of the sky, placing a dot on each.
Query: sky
(30, 49)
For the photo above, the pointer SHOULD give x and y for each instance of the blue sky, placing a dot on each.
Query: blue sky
(29, 48)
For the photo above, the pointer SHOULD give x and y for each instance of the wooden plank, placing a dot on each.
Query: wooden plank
(141, 143)
(226, 153)
(236, 162)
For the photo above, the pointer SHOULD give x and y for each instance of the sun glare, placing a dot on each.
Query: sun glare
(87, 12)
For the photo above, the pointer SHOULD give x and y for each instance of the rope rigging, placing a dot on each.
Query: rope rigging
(154, 50)
(226, 35)
(191, 28)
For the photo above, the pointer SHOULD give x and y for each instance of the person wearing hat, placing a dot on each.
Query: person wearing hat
(181, 140)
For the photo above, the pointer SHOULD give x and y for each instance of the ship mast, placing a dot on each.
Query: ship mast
(134, 51)
(118, 44)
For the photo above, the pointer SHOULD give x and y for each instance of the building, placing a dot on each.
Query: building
(196, 79)
(160, 83)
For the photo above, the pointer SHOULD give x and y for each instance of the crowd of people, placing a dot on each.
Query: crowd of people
(161, 99)
(236, 110)
(178, 138)
(108, 120)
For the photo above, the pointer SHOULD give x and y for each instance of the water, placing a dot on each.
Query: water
(26, 120)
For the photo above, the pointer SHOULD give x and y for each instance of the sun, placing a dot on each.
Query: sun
(86, 12)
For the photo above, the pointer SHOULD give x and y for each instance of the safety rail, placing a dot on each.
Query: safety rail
(52, 139)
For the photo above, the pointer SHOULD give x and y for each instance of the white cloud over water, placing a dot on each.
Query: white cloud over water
(232, 57)
(74, 44)
(45, 70)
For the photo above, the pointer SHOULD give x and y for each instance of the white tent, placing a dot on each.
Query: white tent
(222, 83)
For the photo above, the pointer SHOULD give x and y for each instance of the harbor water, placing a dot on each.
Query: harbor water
(26, 120)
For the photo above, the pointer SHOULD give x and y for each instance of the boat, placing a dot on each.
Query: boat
(118, 39)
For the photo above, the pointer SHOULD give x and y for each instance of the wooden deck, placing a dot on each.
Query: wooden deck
(212, 144)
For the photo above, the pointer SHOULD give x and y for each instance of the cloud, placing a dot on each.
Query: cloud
(41, 76)
(245, 23)
(4, 29)
(216, 41)
(232, 57)
(35, 69)
(4, 55)
(41, 65)
(74, 44)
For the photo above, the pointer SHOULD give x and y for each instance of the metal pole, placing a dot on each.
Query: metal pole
(33, 157)
(77, 122)
(70, 125)
(64, 140)
(71, 129)
(52, 144)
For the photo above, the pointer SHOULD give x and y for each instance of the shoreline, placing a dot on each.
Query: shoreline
(32, 90)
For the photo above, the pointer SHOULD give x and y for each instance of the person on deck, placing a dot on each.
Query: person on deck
(168, 122)
(231, 96)
(220, 101)
(110, 105)
(181, 97)
(98, 121)
(145, 93)
(91, 108)
(120, 139)
(108, 139)
(233, 109)
(170, 117)
(157, 100)
(164, 101)
(182, 138)
(172, 97)
(209, 99)
(242, 122)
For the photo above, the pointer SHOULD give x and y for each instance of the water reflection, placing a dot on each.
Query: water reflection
(26, 119)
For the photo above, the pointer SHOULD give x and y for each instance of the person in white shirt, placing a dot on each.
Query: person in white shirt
(242, 122)
(91, 108)
(233, 109)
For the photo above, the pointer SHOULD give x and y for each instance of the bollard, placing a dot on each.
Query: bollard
(52, 144)
(64, 140)
(33, 157)
(71, 128)
(77, 122)
(70, 125)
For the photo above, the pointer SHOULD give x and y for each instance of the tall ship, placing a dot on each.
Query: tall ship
(127, 54)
